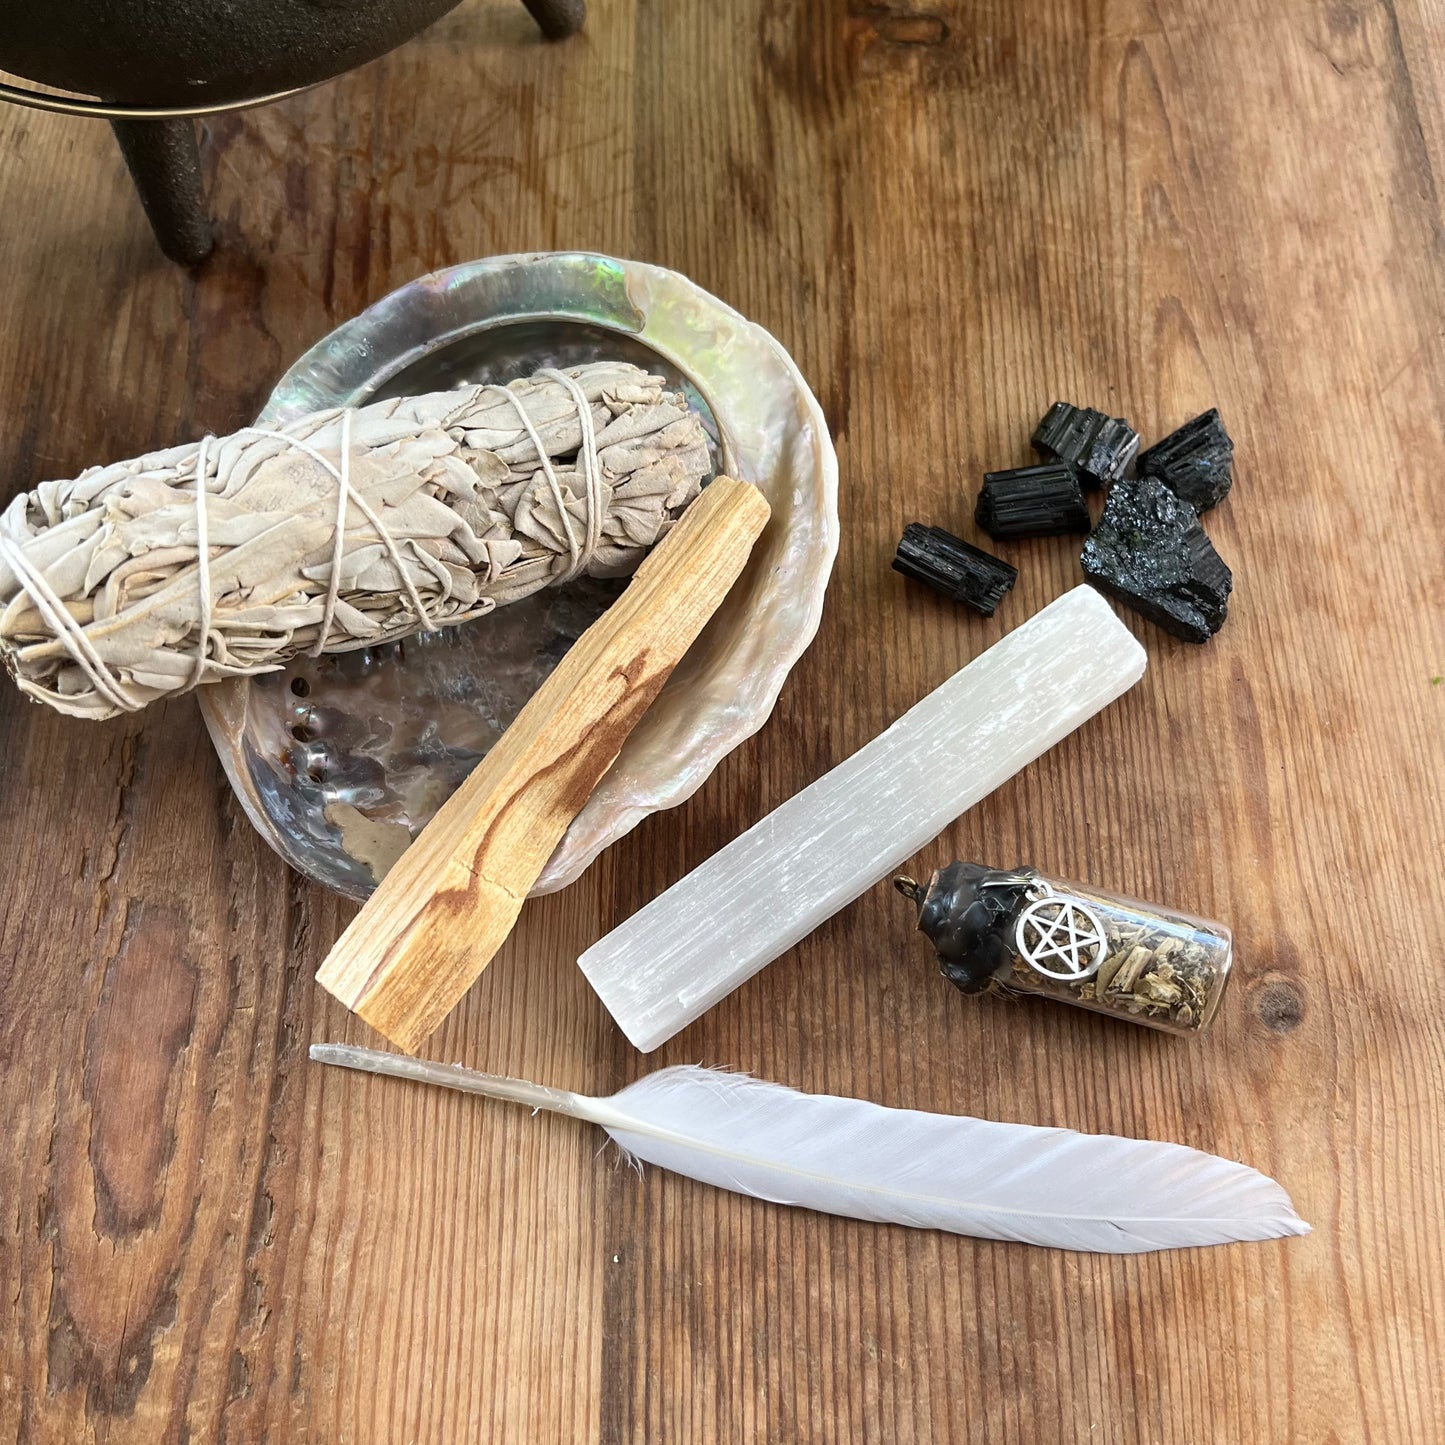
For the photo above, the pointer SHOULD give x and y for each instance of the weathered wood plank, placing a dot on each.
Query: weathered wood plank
(951, 215)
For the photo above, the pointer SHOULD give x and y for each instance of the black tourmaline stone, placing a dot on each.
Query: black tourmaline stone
(1150, 552)
(1042, 501)
(949, 565)
(967, 913)
(1195, 463)
(1100, 447)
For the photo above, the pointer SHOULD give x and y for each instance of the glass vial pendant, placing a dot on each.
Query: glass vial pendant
(1022, 932)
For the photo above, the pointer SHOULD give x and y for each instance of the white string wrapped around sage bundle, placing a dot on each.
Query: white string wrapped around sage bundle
(342, 529)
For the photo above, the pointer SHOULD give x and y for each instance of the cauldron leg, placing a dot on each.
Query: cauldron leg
(165, 165)
(558, 18)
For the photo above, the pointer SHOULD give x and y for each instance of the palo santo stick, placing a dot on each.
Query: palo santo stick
(446, 907)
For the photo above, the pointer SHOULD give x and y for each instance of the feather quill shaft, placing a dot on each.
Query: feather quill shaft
(900, 1166)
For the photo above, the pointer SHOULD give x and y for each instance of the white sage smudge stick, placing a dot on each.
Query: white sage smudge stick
(900, 1166)
(340, 530)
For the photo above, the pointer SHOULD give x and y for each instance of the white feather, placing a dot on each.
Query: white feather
(898, 1166)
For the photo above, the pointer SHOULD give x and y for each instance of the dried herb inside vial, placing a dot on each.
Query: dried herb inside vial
(1149, 974)
(1156, 974)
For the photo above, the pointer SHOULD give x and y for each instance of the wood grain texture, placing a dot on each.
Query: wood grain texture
(440, 915)
(951, 214)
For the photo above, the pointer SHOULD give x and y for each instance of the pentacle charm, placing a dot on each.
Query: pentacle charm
(1061, 938)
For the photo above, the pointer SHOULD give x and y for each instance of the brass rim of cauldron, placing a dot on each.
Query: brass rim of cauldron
(105, 110)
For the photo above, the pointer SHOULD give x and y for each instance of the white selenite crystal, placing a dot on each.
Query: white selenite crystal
(755, 898)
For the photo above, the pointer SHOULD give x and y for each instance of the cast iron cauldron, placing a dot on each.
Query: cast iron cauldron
(155, 63)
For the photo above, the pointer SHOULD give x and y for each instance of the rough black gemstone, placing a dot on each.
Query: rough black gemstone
(1044, 501)
(950, 565)
(1100, 447)
(1195, 463)
(967, 914)
(1150, 552)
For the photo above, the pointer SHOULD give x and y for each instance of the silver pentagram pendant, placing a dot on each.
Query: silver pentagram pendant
(1017, 932)
(1061, 938)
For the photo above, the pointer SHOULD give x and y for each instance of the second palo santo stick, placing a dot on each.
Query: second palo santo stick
(448, 904)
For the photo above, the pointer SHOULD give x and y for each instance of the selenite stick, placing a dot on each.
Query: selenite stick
(772, 886)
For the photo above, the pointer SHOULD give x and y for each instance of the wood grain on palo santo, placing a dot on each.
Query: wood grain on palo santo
(446, 907)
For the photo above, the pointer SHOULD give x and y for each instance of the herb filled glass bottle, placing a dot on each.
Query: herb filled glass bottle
(1021, 932)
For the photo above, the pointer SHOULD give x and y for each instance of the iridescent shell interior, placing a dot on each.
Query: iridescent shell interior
(340, 761)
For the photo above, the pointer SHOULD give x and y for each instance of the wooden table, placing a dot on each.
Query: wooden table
(950, 218)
